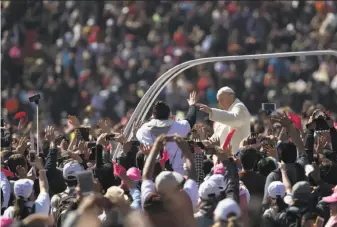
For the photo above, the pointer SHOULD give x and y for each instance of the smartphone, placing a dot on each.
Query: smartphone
(110, 137)
(85, 180)
(135, 143)
(268, 107)
(84, 133)
(32, 156)
(2, 122)
(319, 221)
(91, 144)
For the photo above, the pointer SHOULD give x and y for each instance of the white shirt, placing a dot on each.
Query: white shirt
(238, 117)
(42, 205)
(6, 190)
(190, 187)
(182, 128)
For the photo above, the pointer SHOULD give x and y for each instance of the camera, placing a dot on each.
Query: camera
(35, 98)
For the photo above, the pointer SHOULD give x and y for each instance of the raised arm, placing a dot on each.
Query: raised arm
(151, 160)
(187, 154)
(234, 118)
(191, 115)
(43, 181)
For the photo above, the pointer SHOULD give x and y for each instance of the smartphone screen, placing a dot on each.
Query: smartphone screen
(32, 156)
(84, 132)
(270, 107)
(85, 180)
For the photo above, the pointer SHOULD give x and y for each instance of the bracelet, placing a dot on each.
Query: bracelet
(43, 170)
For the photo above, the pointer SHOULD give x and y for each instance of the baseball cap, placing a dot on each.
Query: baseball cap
(134, 174)
(331, 199)
(5, 222)
(208, 189)
(218, 179)
(70, 170)
(226, 207)
(114, 193)
(23, 188)
(167, 180)
(301, 191)
(276, 188)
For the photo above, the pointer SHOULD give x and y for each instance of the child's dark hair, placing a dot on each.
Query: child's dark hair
(161, 111)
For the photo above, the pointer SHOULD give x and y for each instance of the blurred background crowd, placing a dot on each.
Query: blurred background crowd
(96, 59)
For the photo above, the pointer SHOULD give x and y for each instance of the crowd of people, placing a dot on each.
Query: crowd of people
(189, 164)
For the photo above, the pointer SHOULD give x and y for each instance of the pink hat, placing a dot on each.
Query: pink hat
(331, 199)
(5, 222)
(134, 174)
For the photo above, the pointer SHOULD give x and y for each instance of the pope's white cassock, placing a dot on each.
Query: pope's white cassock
(238, 117)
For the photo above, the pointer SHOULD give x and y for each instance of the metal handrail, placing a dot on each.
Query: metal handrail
(152, 93)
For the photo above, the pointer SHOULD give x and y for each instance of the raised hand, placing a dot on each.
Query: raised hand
(50, 134)
(22, 145)
(204, 108)
(103, 125)
(38, 163)
(182, 144)
(193, 98)
(145, 149)
(322, 143)
(282, 119)
(270, 150)
(101, 140)
(63, 145)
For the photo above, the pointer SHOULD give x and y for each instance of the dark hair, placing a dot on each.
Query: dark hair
(282, 206)
(154, 204)
(16, 160)
(20, 210)
(287, 152)
(248, 157)
(265, 166)
(161, 111)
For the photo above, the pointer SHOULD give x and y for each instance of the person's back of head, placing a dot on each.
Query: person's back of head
(161, 111)
(16, 160)
(265, 166)
(248, 157)
(287, 152)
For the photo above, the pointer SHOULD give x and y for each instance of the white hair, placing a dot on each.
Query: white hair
(225, 90)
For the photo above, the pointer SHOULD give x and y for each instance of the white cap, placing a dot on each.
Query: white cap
(226, 207)
(244, 191)
(167, 180)
(23, 187)
(225, 90)
(208, 189)
(219, 180)
(276, 188)
(70, 169)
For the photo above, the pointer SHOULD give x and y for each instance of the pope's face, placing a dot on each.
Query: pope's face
(225, 100)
